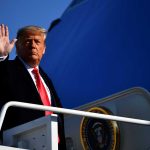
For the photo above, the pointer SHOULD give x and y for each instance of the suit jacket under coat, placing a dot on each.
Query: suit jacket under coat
(16, 84)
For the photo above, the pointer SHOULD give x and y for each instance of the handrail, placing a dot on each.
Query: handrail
(68, 111)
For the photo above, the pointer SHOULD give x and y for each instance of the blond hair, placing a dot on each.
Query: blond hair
(35, 29)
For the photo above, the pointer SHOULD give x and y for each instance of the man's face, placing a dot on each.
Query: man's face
(31, 48)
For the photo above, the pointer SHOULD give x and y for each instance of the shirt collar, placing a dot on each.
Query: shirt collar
(28, 67)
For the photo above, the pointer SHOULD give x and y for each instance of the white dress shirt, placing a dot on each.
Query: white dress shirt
(29, 68)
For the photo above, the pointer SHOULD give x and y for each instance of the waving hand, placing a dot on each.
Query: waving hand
(5, 44)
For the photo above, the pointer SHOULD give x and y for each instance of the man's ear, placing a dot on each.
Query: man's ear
(16, 44)
(44, 50)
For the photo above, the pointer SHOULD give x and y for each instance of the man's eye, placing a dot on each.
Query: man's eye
(27, 42)
(37, 41)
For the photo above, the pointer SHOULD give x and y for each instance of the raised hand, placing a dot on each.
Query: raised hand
(5, 45)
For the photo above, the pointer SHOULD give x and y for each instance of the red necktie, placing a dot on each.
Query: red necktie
(41, 89)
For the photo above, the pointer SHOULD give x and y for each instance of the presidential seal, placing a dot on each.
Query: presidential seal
(99, 134)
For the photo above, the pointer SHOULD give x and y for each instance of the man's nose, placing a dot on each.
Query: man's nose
(33, 44)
